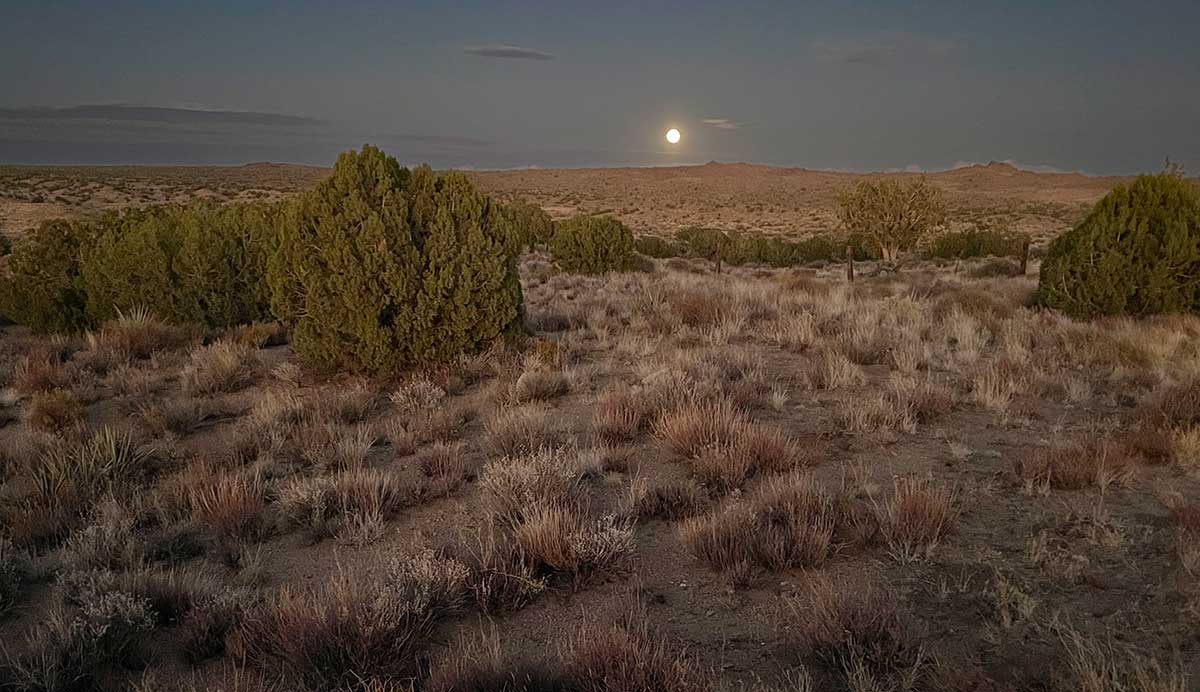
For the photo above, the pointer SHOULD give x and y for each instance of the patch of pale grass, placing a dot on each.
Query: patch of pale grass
(1094, 665)
(521, 430)
(223, 366)
(831, 369)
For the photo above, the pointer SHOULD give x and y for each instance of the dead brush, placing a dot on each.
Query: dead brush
(1176, 406)
(855, 628)
(446, 466)
(137, 334)
(180, 415)
(563, 539)
(627, 656)
(619, 416)
(665, 500)
(1075, 466)
(917, 516)
(327, 505)
(516, 484)
(539, 384)
(722, 444)
(223, 366)
(55, 411)
(1097, 665)
(229, 504)
(355, 627)
(789, 522)
(502, 578)
(41, 371)
(831, 369)
(520, 430)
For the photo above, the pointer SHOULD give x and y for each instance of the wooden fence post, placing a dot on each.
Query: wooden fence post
(849, 264)
(1024, 256)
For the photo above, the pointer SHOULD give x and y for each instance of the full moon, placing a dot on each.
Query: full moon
(673, 136)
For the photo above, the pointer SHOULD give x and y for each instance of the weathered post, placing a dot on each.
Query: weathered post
(1024, 255)
(850, 264)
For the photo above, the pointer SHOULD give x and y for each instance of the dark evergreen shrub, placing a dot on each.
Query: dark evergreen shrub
(1136, 253)
(40, 285)
(656, 247)
(198, 263)
(977, 242)
(379, 268)
(528, 224)
(593, 245)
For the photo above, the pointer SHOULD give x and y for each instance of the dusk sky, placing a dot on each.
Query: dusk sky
(1096, 86)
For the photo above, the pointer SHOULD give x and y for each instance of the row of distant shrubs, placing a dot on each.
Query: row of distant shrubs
(732, 247)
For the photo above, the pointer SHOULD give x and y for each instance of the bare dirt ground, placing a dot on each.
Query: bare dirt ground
(785, 201)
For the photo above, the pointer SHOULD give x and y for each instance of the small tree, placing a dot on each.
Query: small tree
(593, 245)
(528, 224)
(894, 216)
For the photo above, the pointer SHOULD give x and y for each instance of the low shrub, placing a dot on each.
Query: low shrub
(528, 225)
(55, 411)
(656, 247)
(593, 245)
(977, 242)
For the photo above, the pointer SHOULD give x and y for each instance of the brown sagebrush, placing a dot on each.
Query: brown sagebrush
(1075, 466)
(789, 522)
(55, 411)
(917, 516)
(354, 627)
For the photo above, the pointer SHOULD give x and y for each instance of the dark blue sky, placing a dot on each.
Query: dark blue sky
(1103, 87)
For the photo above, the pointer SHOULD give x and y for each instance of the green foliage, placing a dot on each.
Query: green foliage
(1136, 253)
(736, 248)
(893, 215)
(593, 245)
(379, 268)
(654, 246)
(197, 263)
(977, 242)
(41, 287)
(527, 224)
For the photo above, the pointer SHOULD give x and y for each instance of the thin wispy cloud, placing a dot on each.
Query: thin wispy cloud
(721, 123)
(883, 49)
(508, 52)
(153, 114)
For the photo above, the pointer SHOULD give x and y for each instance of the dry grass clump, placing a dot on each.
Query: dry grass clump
(256, 334)
(516, 485)
(723, 446)
(66, 480)
(179, 414)
(565, 540)
(138, 334)
(789, 522)
(1092, 665)
(55, 411)
(997, 385)
(667, 500)
(14, 566)
(1186, 519)
(417, 396)
(925, 399)
(446, 467)
(915, 519)
(539, 384)
(697, 308)
(624, 656)
(1176, 406)
(71, 648)
(1098, 463)
(223, 366)
(831, 369)
(41, 371)
(520, 430)
(619, 416)
(355, 627)
(858, 630)
(628, 656)
(333, 446)
(874, 412)
(503, 579)
(348, 500)
(229, 504)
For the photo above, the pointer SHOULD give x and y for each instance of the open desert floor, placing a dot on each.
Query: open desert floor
(683, 480)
